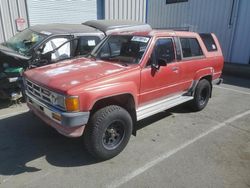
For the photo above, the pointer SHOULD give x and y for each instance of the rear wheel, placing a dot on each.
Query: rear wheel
(201, 95)
(108, 132)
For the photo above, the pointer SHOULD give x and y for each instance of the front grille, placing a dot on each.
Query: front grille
(45, 95)
(39, 92)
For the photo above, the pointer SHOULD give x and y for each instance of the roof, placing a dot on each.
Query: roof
(63, 29)
(159, 33)
(107, 25)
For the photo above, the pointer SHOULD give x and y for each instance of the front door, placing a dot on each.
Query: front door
(164, 81)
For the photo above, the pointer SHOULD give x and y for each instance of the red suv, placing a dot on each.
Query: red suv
(128, 77)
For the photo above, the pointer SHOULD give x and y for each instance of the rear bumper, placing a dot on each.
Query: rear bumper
(68, 124)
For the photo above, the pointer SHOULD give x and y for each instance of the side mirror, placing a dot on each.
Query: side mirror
(159, 59)
(47, 56)
(162, 62)
(156, 64)
(153, 61)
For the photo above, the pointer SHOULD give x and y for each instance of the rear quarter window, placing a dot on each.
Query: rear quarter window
(190, 47)
(208, 41)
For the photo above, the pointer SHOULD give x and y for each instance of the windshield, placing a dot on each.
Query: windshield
(122, 48)
(22, 42)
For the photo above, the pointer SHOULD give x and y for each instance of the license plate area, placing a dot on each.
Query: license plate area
(41, 108)
(46, 111)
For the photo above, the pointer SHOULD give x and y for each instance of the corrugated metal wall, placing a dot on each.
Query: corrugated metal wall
(9, 11)
(228, 19)
(61, 11)
(241, 44)
(196, 15)
(126, 9)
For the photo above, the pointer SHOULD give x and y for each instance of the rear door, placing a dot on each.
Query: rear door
(193, 60)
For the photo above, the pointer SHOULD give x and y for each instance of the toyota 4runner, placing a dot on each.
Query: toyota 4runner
(127, 77)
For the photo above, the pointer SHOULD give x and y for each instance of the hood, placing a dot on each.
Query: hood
(68, 74)
(13, 58)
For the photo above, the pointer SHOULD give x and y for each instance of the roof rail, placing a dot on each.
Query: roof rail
(174, 28)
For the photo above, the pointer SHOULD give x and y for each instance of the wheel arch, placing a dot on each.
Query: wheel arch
(207, 77)
(124, 100)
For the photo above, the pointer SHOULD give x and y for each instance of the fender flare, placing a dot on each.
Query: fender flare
(95, 94)
(209, 71)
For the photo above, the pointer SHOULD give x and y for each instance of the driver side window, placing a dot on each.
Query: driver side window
(165, 49)
(62, 53)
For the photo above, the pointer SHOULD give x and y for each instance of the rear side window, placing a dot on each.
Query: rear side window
(190, 47)
(208, 41)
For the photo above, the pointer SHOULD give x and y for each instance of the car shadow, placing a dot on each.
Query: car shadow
(183, 108)
(236, 81)
(152, 119)
(25, 138)
(6, 103)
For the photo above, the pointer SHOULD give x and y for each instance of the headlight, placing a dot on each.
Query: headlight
(60, 101)
(69, 103)
(56, 99)
(72, 103)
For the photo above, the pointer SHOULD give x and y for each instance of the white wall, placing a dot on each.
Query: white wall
(9, 11)
(61, 11)
(126, 9)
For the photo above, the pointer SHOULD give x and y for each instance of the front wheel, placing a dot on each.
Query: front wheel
(201, 95)
(108, 132)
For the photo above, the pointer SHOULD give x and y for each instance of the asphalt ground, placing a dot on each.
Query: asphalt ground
(176, 148)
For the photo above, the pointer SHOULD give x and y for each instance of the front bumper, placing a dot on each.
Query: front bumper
(69, 124)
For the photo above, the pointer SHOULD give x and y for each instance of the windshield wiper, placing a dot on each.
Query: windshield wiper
(91, 56)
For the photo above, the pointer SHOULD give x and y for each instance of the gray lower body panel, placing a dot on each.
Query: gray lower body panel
(159, 106)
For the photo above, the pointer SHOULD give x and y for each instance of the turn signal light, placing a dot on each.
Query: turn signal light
(72, 104)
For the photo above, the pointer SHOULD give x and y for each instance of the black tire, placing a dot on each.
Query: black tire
(201, 95)
(108, 132)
